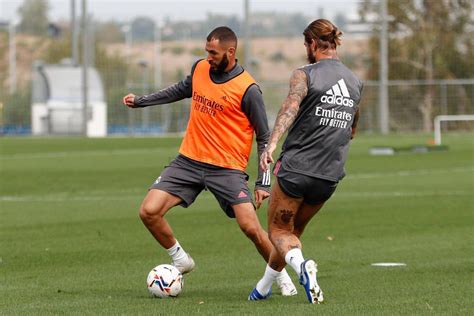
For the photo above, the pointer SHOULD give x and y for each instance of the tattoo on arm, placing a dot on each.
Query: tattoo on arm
(289, 109)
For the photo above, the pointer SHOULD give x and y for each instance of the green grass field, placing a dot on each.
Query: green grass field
(71, 241)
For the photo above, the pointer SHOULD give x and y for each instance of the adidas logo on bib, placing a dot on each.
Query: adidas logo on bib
(338, 95)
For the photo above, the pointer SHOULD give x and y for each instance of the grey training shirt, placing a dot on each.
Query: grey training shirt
(318, 141)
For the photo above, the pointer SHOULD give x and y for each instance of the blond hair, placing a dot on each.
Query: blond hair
(324, 33)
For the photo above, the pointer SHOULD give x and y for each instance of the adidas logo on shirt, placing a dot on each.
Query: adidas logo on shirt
(338, 95)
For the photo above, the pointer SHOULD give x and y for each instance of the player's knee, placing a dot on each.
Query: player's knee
(274, 233)
(144, 213)
(148, 213)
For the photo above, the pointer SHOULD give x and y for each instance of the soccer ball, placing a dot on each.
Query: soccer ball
(165, 280)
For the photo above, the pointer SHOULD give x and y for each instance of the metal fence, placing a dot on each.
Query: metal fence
(407, 102)
(145, 66)
(412, 107)
(412, 103)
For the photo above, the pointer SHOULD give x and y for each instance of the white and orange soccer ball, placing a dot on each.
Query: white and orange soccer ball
(165, 280)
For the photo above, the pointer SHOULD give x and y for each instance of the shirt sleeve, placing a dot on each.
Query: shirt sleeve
(176, 92)
(254, 108)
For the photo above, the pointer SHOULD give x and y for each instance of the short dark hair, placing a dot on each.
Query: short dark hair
(224, 35)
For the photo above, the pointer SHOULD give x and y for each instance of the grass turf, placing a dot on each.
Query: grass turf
(71, 241)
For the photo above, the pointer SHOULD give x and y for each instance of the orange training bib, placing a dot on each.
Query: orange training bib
(218, 132)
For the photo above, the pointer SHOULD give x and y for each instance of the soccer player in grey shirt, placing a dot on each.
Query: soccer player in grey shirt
(320, 113)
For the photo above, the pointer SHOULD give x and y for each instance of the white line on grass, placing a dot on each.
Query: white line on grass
(65, 198)
(86, 153)
(388, 264)
(408, 173)
(401, 194)
(62, 198)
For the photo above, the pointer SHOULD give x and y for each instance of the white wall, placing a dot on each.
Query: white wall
(64, 118)
(39, 119)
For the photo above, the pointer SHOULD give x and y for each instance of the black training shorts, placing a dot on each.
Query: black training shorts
(186, 178)
(296, 185)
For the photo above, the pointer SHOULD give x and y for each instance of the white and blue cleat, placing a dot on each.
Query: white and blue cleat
(309, 268)
(256, 296)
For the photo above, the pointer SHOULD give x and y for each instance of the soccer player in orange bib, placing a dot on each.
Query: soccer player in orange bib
(226, 110)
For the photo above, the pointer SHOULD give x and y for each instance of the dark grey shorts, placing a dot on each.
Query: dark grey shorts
(313, 190)
(186, 178)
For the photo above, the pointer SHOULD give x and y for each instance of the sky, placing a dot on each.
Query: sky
(126, 10)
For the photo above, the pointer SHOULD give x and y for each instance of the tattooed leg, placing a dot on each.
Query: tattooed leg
(304, 216)
(282, 212)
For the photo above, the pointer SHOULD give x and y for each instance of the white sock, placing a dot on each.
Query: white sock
(265, 284)
(283, 277)
(177, 252)
(294, 258)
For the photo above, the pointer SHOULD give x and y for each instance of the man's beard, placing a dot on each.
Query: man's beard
(220, 68)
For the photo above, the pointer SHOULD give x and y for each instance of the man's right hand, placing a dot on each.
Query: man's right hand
(266, 159)
(129, 100)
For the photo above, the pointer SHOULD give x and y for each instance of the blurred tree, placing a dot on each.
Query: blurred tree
(340, 19)
(34, 17)
(278, 24)
(17, 109)
(3, 65)
(58, 49)
(109, 32)
(179, 74)
(215, 20)
(263, 24)
(143, 29)
(277, 57)
(427, 40)
(198, 52)
(114, 70)
(177, 50)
